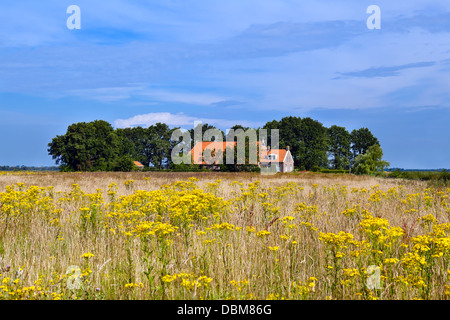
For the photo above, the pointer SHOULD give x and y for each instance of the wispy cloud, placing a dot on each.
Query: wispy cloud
(433, 23)
(227, 103)
(110, 94)
(277, 39)
(386, 71)
(203, 99)
(179, 119)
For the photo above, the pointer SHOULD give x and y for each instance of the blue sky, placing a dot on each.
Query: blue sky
(227, 62)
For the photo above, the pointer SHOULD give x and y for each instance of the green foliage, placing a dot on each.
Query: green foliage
(85, 147)
(313, 144)
(96, 146)
(150, 146)
(160, 144)
(438, 178)
(204, 128)
(370, 162)
(339, 147)
(124, 164)
(307, 139)
(361, 140)
(136, 143)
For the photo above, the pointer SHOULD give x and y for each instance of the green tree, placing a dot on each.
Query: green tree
(135, 143)
(124, 164)
(339, 147)
(204, 128)
(307, 139)
(291, 134)
(160, 145)
(361, 140)
(91, 146)
(269, 126)
(150, 146)
(313, 144)
(371, 161)
(238, 126)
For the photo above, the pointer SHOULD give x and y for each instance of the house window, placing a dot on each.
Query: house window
(290, 168)
(278, 168)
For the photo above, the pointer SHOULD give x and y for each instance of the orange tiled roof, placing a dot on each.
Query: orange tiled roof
(198, 149)
(137, 163)
(281, 155)
(216, 145)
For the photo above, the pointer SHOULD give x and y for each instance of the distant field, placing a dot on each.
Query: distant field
(157, 235)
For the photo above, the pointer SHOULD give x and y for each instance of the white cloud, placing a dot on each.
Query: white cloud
(179, 119)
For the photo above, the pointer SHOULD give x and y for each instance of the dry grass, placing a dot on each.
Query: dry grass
(199, 239)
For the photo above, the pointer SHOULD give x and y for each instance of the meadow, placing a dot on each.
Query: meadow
(150, 235)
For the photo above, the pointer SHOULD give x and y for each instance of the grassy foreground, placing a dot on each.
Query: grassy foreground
(221, 236)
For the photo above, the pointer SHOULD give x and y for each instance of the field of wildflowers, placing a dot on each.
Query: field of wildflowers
(222, 236)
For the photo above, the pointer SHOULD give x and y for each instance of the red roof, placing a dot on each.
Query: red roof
(216, 145)
(281, 155)
(138, 164)
(198, 149)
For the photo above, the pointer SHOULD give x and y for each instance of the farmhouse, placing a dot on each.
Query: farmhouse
(280, 158)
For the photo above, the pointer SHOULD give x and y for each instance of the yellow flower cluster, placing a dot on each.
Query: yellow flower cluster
(87, 255)
(134, 285)
(338, 240)
(263, 233)
(187, 280)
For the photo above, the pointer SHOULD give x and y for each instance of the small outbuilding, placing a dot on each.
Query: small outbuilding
(138, 164)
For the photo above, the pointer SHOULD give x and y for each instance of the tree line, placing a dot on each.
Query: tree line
(28, 168)
(97, 146)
